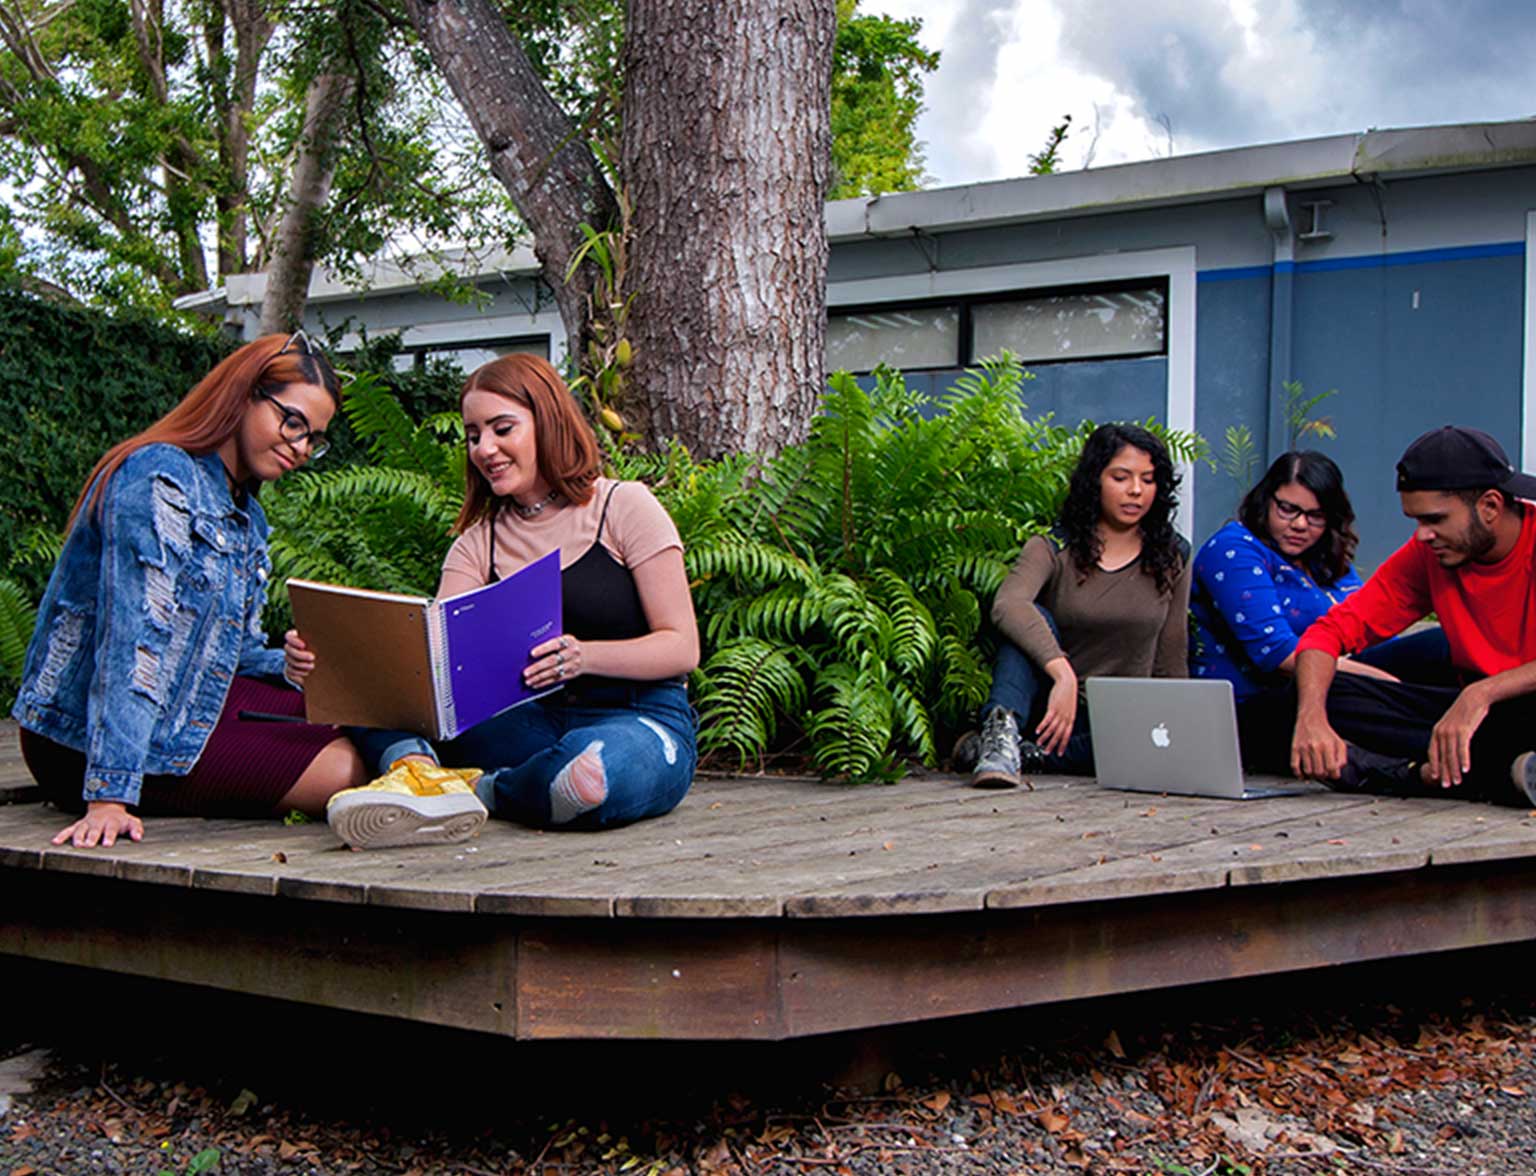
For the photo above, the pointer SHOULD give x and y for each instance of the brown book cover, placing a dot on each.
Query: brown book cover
(436, 667)
(373, 657)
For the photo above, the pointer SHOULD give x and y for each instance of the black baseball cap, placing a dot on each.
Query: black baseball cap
(1456, 458)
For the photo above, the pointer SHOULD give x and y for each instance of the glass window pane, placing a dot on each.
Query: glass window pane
(912, 337)
(1071, 326)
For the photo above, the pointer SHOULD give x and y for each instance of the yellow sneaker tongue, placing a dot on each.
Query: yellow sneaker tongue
(422, 783)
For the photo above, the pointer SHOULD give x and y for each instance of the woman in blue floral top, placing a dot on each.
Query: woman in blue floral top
(1264, 577)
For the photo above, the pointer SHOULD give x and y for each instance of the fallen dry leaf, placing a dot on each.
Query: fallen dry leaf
(937, 1102)
(1053, 1120)
(1112, 1043)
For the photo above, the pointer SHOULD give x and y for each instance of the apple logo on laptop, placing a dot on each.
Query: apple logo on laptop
(1160, 735)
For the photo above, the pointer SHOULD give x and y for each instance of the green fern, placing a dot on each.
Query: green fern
(17, 618)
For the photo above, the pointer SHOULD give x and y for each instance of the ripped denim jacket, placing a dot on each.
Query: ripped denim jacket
(153, 608)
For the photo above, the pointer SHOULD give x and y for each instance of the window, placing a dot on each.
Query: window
(1038, 326)
(909, 337)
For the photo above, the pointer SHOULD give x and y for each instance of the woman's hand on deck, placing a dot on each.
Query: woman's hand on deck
(1060, 708)
(555, 662)
(104, 822)
(298, 658)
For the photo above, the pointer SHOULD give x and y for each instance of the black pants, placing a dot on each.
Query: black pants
(1396, 719)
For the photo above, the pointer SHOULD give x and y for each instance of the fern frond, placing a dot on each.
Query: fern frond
(741, 692)
(18, 616)
(914, 634)
(851, 731)
(913, 723)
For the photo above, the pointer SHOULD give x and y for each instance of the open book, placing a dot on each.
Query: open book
(435, 667)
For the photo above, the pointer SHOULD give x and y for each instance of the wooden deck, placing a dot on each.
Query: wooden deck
(770, 909)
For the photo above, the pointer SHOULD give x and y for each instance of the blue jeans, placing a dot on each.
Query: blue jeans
(1021, 686)
(646, 732)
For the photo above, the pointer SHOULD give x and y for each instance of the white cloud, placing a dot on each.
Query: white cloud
(1208, 74)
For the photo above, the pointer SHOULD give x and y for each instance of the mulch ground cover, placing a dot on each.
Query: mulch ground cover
(1417, 1066)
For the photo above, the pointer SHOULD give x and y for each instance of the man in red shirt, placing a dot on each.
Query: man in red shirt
(1472, 562)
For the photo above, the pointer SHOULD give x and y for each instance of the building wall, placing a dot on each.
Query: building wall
(1414, 305)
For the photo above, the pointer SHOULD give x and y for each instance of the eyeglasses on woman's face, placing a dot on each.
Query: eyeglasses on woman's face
(295, 427)
(1290, 512)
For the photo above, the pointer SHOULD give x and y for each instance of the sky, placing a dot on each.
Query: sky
(1149, 78)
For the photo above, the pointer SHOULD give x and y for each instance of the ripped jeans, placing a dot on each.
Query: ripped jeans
(645, 737)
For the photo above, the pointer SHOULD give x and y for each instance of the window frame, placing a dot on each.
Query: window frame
(966, 304)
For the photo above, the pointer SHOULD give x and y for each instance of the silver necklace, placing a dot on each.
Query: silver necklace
(532, 509)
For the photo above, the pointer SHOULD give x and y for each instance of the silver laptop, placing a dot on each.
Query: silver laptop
(1174, 735)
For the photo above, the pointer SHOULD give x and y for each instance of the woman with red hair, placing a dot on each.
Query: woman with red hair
(616, 744)
(149, 644)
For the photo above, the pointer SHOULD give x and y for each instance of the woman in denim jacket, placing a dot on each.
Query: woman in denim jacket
(149, 645)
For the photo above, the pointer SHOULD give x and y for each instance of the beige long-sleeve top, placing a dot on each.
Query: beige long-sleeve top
(1112, 623)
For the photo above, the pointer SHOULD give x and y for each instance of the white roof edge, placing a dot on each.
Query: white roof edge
(382, 276)
(1179, 179)
(1182, 179)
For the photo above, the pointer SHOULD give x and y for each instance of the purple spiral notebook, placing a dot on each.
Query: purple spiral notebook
(436, 667)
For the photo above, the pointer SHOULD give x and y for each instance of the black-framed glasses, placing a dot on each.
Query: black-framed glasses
(295, 427)
(1290, 512)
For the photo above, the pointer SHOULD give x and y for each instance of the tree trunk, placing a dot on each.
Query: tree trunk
(536, 153)
(234, 97)
(293, 253)
(726, 156)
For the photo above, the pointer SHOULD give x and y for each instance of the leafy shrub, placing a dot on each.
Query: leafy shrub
(73, 382)
(842, 586)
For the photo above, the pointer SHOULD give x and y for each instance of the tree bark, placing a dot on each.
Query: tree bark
(726, 156)
(293, 253)
(234, 97)
(536, 153)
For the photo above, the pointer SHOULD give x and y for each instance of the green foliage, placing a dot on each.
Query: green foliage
(140, 164)
(841, 586)
(379, 525)
(1047, 161)
(1240, 457)
(73, 383)
(205, 1161)
(878, 65)
(1299, 421)
(17, 616)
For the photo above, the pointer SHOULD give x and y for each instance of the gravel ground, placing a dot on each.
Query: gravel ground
(1418, 1066)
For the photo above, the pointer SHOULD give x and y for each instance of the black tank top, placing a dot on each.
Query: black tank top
(598, 597)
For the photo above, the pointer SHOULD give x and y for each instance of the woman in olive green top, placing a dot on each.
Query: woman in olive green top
(1105, 593)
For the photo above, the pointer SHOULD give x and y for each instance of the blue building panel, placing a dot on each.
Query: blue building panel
(1409, 346)
(1232, 312)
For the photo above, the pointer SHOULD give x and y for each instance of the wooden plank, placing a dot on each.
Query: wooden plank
(442, 969)
(1392, 834)
(682, 981)
(1506, 834)
(1198, 856)
(847, 974)
(1101, 827)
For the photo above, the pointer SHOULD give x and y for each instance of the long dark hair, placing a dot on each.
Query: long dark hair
(208, 415)
(1162, 555)
(1330, 557)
